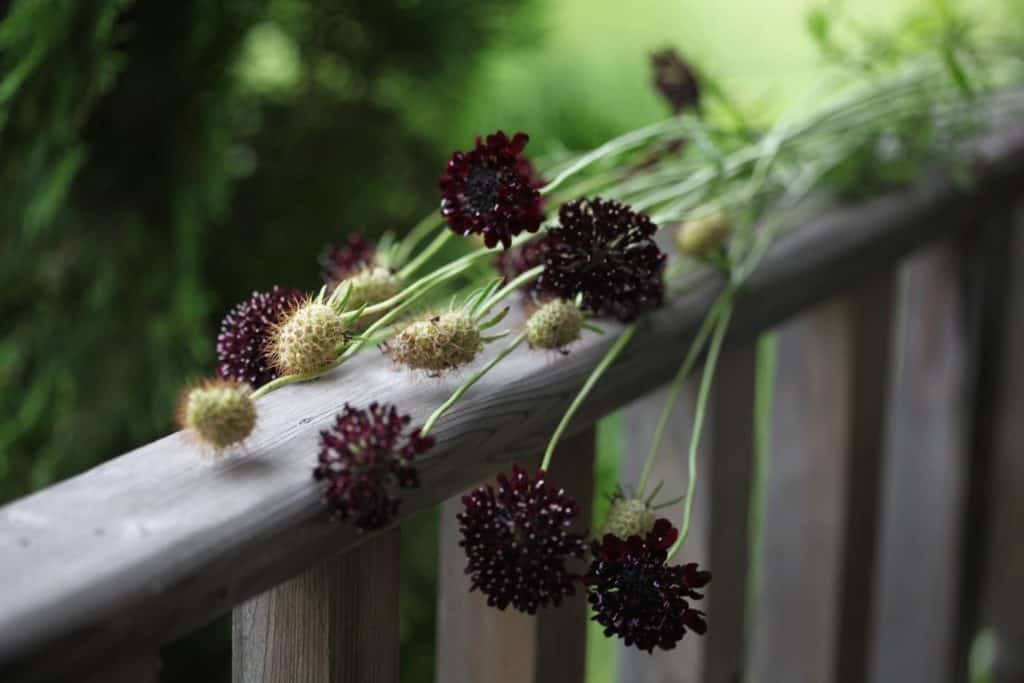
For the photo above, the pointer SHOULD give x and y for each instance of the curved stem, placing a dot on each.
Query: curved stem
(426, 254)
(416, 234)
(595, 375)
(520, 280)
(677, 385)
(465, 386)
(698, 423)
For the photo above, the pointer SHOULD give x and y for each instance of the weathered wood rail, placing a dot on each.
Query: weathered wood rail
(98, 571)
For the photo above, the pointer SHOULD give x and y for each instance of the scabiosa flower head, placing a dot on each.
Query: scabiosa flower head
(637, 596)
(698, 237)
(243, 352)
(364, 457)
(220, 412)
(627, 517)
(306, 340)
(511, 263)
(517, 541)
(554, 325)
(675, 80)
(438, 342)
(604, 252)
(342, 261)
(491, 190)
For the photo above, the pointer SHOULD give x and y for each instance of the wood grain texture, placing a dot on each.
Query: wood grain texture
(153, 544)
(480, 643)
(686, 661)
(335, 623)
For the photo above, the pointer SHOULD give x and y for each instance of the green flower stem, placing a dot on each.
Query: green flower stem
(426, 254)
(696, 347)
(520, 280)
(416, 235)
(465, 386)
(595, 375)
(698, 422)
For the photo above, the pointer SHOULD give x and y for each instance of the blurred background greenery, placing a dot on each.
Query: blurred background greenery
(160, 160)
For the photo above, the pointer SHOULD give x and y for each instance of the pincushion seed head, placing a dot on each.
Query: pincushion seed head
(438, 343)
(628, 517)
(220, 412)
(370, 286)
(554, 325)
(698, 237)
(306, 341)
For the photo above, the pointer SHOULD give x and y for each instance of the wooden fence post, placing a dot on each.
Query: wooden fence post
(336, 623)
(479, 643)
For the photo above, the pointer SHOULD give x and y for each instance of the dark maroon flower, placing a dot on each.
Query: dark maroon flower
(342, 261)
(242, 350)
(363, 457)
(675, 80)
(511, 263)
(639, 598)
(517, 541)
(604, 251)
(492, 191)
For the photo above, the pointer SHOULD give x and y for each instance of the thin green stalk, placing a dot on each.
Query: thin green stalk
(416, 235)
(595, 375)
(517, 282)
(426, 254)
(698, 423)
(465, 386)
(677, 385)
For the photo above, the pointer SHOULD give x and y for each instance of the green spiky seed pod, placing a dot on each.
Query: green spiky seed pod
(554, 325)
(220, 412)
(370, 286)
(437, 343)
(306, 342)
(628, 517)
(698, 237)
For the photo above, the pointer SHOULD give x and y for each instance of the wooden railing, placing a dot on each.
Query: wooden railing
(891, 515)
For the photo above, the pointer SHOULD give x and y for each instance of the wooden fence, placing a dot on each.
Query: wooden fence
(891, 509)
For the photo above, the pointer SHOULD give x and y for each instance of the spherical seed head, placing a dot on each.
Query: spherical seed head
(698, 237)
(605, 253)
(370, 286)
(306, 341)
(220, 412)
(437, 343)
(518, 539)
(491, 190)
(636, 596)
(243, 342)
(628, 517)
(554, 325)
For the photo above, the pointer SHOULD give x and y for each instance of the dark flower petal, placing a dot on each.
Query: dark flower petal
(242, 345)
(675, 80)
(342, 261)
(492, 190)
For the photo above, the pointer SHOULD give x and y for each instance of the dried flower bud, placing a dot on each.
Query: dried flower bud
(307, 340)
(698, 237)
(628, 517)
(220, 412)
(554, 325)
(438, 343)
(675, 80)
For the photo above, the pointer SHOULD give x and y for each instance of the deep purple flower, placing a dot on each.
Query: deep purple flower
(492, 191)
(675, 80)
(242, 345)
(517, 541)
(605, 252)
(363, 457)
(342, 261)
(511, 263)
(637, 596)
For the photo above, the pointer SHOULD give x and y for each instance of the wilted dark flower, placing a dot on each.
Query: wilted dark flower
(675, 80)
(491, 190)
(342, 261)
(511, 263)
(604, 251)
(363, 457)
(242, 346)
(639, 598)
(517, 541)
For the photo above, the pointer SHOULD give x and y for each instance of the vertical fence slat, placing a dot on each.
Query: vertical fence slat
(336, 623)
(731, 476)
(830, 372)
(480, 643)
(926, 446)
(685, 662)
